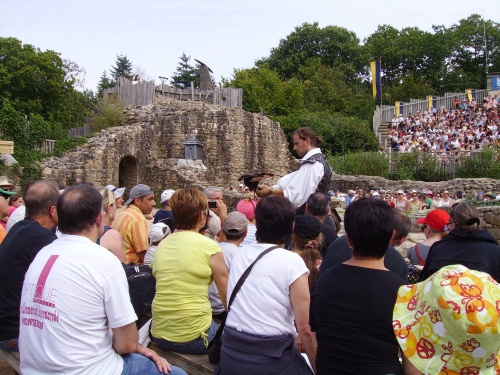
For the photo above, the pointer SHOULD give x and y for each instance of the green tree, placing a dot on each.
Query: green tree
(327, 89)
(332, 45)
(123, 68)
(265, 92)
(104, 83)
(33, 81)
(37, 82)
(467, 60)
(340, 134)
(185, 73)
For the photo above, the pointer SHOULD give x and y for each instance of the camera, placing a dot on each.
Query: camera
(212, 204)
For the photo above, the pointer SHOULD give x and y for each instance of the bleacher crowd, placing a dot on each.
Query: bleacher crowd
(467, 127)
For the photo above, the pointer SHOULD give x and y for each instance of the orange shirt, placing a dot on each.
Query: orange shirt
(3, 233)
(133, 227)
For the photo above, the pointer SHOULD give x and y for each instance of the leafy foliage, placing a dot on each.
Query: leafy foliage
(332, 45)
(360, 163)
(417, 166)
(340, 134)
(483, 164)
(66, 145)
(265, 92)
(109, 112)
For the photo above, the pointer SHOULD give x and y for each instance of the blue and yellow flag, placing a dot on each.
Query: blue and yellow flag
(471, 93)
(399, 107)
(376, 82)
(429, 101)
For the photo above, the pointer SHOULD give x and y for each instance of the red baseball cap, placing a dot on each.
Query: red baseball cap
(437, 220)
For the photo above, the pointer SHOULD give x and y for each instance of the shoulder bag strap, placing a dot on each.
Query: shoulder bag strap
(245, 275)
(421, 261)
(235, 291)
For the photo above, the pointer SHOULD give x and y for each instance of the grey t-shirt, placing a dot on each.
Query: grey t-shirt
(423, 251)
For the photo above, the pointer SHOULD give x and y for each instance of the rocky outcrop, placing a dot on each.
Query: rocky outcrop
(234, 142)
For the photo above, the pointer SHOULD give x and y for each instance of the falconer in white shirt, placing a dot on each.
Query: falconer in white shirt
(313, 176)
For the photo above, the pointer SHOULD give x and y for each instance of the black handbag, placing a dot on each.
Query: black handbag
(214, 347)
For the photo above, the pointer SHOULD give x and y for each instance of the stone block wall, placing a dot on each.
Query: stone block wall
(234, 142)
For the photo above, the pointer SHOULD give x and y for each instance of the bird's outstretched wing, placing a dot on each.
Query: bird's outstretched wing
(252, 179)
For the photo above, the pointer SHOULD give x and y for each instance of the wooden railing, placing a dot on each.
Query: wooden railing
(143, 92)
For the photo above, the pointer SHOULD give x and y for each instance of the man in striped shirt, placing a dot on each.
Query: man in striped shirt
(132, 224)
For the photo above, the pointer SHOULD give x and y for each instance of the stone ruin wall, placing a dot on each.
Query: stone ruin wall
(234, 142)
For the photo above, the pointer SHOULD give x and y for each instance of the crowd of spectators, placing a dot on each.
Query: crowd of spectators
(310, 293)
(467, 127)
(412, 200)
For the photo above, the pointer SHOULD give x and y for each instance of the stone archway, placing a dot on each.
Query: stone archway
(127, 172)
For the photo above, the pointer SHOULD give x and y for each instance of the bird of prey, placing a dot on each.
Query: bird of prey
(252, 180)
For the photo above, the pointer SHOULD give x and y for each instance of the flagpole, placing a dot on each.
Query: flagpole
(380, 83)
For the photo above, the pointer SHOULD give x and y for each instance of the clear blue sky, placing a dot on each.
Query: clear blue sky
(224, 34)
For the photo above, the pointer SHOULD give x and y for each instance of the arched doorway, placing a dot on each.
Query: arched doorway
(127, 173)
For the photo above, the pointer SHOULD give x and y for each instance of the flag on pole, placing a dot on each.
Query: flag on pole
(399, 107)
(471, 94)
(376, 82)
(429, 101)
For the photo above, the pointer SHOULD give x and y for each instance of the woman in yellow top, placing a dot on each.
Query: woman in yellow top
(185, 265)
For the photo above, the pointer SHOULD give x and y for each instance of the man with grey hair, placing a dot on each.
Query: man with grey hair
(339, 252)
(132, 224)
(218, 212)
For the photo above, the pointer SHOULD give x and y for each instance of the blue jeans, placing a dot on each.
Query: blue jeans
(196, 346)
(136, 364)
(10, 345)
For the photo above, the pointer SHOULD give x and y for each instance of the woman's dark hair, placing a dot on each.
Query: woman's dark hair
(304, 133)
(13, 198)
(274, 217)
(466, 217)
(310, 254)
(78, 208)
(369, 223)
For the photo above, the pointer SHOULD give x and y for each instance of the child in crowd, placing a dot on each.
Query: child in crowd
(157, 233)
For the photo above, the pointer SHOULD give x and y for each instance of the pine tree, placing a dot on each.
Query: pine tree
(123, 68)
(104, 83)
(185, 73)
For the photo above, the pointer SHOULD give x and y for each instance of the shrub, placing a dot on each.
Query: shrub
(362, 163)
(485, 163)
(109, 112)
(65, 145)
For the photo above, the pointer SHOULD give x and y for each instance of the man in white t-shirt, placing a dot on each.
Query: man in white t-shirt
(76, 316)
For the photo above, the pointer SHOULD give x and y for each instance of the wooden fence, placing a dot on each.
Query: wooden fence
(227, 96)
(132, 92)
(142, 93)
(385, 113)
(79, 132)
